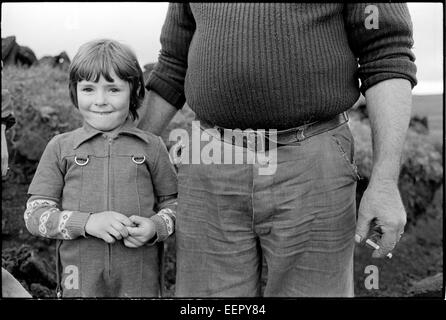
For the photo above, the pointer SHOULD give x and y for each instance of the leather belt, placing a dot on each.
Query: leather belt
(260, 140)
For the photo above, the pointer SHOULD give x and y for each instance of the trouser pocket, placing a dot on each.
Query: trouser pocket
(344, 147)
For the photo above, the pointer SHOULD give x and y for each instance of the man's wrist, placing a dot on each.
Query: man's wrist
(384, 173)
(383, 185)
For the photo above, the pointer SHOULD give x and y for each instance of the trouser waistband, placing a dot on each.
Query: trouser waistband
(260, 140)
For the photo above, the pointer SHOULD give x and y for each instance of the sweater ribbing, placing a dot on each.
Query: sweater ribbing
(277, 65)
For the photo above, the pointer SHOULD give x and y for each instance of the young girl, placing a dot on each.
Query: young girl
(106, 190)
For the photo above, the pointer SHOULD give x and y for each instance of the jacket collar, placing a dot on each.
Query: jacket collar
(86, 132)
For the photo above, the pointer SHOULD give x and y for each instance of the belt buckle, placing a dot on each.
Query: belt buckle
(250, 139)
(300, 136)
(255, 141)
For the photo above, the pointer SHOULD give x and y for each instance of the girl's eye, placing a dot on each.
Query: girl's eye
(86, 89)
(114, 90)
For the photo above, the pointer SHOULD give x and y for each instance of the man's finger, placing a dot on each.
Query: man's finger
(362, 227)
(400, 233)
(386, 243)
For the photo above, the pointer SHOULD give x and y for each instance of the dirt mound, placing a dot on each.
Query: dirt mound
(35, 274)
(13, 53)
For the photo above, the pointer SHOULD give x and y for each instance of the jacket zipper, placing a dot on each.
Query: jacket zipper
(108, 200)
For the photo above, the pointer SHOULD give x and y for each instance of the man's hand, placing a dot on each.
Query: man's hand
(108, 226)
(143, 231)
(4, 152)
(381, 201)
(155, 113)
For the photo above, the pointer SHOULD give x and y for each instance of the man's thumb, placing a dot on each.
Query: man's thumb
(362, 228)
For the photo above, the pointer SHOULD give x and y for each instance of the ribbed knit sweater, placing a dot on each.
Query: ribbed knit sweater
(278, 65)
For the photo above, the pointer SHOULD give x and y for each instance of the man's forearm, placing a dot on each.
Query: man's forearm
(389, 106)
(155, 113)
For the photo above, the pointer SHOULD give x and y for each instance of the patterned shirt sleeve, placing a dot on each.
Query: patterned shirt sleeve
(165, 218)
(44, 218)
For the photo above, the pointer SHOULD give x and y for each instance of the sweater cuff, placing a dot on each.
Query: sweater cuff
(76, 223)
(379, 78)
(166, 91)
(160, 227)
(164, 223)
(375, 72)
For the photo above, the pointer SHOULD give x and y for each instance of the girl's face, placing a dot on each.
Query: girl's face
(104, 105)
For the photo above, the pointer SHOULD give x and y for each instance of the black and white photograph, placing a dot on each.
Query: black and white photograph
(162, 151)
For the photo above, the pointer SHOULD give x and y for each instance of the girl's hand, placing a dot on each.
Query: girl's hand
(108, 226)
(142, 231)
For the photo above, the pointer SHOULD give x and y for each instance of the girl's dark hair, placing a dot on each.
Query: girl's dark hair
(101, 57)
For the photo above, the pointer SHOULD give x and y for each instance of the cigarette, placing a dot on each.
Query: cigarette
(376, 247)
(372, 244)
